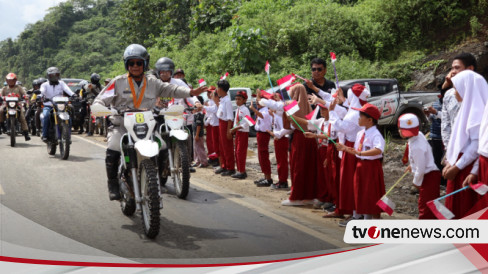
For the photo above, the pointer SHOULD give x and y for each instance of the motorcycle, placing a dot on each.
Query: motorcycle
(78, 104)
(59, 131)
(12, 114)
(138, 172)
(175, 161)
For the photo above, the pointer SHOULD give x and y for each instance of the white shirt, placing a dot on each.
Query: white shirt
(187, 102)
(350, 129)
(420, 157)
(225, 112)
(372, 139)
(483, 140)
(278, 130)
(211, 116)
(241, 112)
(263, 124)
(50, 91)
(323, 125)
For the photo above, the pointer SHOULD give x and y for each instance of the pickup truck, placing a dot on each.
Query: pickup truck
(392, 103)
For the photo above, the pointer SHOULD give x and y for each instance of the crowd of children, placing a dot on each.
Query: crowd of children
(333, 154)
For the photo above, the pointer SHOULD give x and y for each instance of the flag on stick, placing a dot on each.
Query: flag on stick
(266, 94)
(385, 203)
(202, 82)
(249, 120)
(333, 59)
(292, 108)
(225, 76)
(480, 188)
(439, 210)
(266, 67)
(286, 81)
(312, 115)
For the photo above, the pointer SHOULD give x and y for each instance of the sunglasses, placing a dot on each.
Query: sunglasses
(317, 69)
(138, 63)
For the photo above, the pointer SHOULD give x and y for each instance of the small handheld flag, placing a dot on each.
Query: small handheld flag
(385, 203)
(292, 108)
(109, 91)
(333, 59)
(202, 82)
(225, 76)
(266, 67)
(480, 188)
(286, 81)
(439, 210)
(249, 120)
(312, 115)
(266, 95)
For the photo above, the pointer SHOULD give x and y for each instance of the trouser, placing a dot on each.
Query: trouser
(242, 139)
(46, 111)
(438, 153)
(38, 118)
(114, 135)
(263, 152)
(199, 151)
(21, 117)
(226, 148)
(281, 151)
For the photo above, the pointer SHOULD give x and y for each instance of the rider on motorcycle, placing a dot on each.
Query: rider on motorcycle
(13, 88)
(91, 91)
(134, 90)
(50, 89)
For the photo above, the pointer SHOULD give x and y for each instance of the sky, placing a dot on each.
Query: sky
(16, 14)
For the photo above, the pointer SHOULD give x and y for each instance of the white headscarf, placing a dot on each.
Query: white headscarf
(473, 88)
(353, 101)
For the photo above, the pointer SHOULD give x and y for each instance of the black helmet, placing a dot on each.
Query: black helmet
(164, 64)
(95, 78)
(53, 74)
(136, 51)
(35, 83)
(42, 81)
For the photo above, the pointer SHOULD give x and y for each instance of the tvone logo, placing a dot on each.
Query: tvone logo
(373, 232)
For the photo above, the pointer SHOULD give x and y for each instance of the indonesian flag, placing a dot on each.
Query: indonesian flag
(202, 82)
(289, 87)
(249, 120)
(439, 210)
(291, 108)
(333, 58)
(266, 94)
(225, 76)
(286, 81)
(266, 67)
(386, 205)
(109, 91)
(480, 188)
(312, 115)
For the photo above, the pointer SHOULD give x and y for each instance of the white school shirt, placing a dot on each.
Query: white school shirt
(241, 112)
(324, 126)
(263, 124)
(184, 101)
(211, 114)
(420, 157)
(225, 112)
(372, 139)
(278, 130)
(483, 140)
(49, 91)
(349, 128)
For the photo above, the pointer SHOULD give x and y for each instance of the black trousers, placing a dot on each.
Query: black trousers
(438, 152)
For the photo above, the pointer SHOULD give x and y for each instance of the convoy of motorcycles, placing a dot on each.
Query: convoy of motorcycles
(153, 149)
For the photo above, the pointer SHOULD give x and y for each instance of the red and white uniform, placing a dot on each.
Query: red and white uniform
(242, 137)
(426, 175)
(281, 143)
(212, 126)
(225, 114)
(262, 126)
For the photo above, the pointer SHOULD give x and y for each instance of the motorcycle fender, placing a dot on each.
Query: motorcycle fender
(63, 115)
(179, 134)
(147, 148)
(12, 112)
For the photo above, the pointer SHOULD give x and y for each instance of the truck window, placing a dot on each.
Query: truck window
(379, 89)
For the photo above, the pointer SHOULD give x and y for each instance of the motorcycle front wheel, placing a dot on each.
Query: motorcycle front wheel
(127, 202)
(148, 179)
(13, 132)
(182, 169)
(64, 141)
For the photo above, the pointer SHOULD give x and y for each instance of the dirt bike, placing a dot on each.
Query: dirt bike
(13, 105)
(59, 132)
(175, 161)
(138, 172)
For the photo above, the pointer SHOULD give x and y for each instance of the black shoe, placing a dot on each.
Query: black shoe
(26, 135)
(192, 170)
(239, 175)
(81, 132)
(258, 181)
(265, 183)
(44, 139)
(89, 134)
(228, 173)
(219, 170)
(279, 185)
(113, 190)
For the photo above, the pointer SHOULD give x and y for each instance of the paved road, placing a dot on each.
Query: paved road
(70, 198)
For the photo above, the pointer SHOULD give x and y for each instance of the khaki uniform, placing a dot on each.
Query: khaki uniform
(121, 98)
(91, 91)
(21, 92)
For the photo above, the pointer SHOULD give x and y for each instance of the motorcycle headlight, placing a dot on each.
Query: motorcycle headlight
(61, 107)
(141, 130)
(12, 104)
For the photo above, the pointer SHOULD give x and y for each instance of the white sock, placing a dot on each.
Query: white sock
(356, 216)
(368, 216)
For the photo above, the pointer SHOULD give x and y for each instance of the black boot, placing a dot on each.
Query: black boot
(112, 164)
(26, 135)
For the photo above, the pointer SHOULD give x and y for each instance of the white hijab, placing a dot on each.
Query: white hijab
(473, 88)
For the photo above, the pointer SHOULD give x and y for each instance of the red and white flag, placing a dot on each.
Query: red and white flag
(333, 58)
(249, 120)
(225, 76)
(439, 210)
(109, 91)
(202, 82)
(312, 116)
(291, 108)
(266, 67)
(480, 188)
(386, 205)
(266, 94)
(286, 81)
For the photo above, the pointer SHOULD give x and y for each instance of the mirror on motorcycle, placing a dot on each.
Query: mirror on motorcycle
(37, 92)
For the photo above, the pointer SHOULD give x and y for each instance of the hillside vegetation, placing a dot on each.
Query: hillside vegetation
(372, 38)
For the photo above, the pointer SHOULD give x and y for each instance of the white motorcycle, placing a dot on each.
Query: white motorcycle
(138, 172)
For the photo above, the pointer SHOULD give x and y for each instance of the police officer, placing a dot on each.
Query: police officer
(134, 90)
(12, 87)
(91, 90)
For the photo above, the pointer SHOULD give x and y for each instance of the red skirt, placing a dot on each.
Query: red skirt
(281, 151)
(322, 177)
(482, 177)
(303, 174)
(333, 170)
(460, 204)
(209, 140)
(346, 188)
(429, 190)
(216, 139)
(369, 186)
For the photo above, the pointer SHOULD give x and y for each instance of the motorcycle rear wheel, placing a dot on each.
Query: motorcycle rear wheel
(148, 180)
(13, 132)
(64, 141)
(182, 167)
